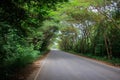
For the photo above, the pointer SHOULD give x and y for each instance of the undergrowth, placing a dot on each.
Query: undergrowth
(113, 61)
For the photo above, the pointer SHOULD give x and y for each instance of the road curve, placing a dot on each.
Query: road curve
(60, 65)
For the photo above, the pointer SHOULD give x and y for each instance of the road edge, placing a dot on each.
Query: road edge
(42, 64)
(95, 60)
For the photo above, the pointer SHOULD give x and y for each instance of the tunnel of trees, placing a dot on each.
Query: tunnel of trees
(28, 27)
(26, 30)
(91, 28)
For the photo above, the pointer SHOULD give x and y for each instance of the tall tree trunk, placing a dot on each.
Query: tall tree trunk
(110, 47)
(107, 47)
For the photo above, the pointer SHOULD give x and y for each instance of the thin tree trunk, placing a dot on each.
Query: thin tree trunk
(110, 47)
(107, 47)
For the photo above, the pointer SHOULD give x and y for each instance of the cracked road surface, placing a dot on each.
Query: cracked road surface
(60, 65)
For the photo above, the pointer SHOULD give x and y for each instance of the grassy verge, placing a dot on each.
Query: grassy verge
(113, 61)
(15, 63)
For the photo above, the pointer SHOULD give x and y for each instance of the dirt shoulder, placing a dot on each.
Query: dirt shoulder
(100, 61)
(29, 72)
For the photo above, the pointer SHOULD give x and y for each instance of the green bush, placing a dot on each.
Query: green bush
(16, 53)
(24, 56)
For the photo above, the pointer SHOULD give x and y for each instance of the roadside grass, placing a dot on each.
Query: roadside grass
(16, 63)
(113, 61)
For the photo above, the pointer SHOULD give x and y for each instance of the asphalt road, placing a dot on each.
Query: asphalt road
(60, 65)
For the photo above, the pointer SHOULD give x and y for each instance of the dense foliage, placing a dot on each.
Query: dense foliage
(24, 32)
(28, 27)
(90, 27)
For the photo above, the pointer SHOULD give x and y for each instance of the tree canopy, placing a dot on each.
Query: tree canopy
(28, 27)
(26, 30)
(96, 23)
